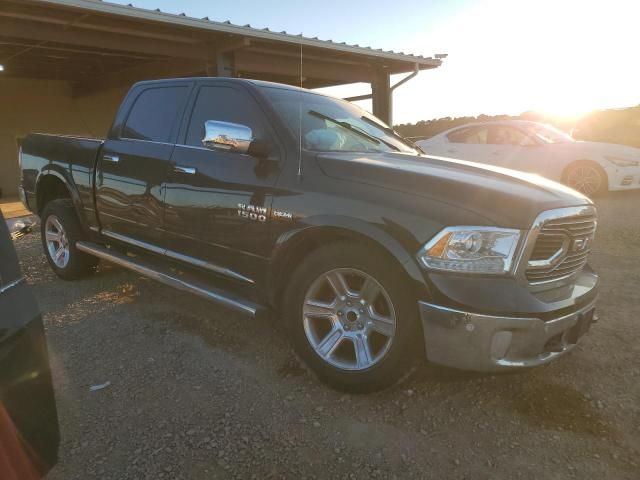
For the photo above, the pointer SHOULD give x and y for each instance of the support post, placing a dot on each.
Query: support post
(225, 64)
(382, 100)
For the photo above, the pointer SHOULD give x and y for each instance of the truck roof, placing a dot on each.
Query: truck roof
(223, 79)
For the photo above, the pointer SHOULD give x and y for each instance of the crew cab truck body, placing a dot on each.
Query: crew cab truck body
(262, 197)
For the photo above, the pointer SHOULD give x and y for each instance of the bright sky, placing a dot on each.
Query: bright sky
(563, 57)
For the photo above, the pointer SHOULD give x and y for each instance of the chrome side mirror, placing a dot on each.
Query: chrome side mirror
(232, 137)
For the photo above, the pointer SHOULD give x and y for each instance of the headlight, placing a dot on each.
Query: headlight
(623, 162)
(471, 250)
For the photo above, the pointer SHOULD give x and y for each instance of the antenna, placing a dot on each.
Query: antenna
(300, 122)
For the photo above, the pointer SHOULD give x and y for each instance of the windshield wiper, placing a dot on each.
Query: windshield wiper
(346, 126)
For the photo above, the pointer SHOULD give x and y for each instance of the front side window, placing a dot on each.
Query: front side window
(154, 113)
(473, 135)
(329, 124)
(225, 104)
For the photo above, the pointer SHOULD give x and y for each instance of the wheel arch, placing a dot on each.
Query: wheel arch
(51, 185)
(565, 170)
(293, 246)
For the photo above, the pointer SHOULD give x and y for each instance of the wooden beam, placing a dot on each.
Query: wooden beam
(171, 68)
(80, 37)
(249, 61)
(215, 64)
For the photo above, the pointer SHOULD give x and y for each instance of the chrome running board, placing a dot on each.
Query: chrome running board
(169, 278)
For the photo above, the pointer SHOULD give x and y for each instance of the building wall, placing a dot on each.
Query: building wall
(48, 107)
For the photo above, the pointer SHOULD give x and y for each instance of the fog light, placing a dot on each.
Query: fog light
(500, 344)
(626, 181)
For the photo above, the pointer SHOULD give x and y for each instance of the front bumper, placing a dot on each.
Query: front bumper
(624, 178)
(472, 341)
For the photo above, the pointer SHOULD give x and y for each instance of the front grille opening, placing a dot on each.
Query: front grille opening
(547, 246)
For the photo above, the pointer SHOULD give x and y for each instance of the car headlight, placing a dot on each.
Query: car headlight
(623, 162)
(471, 250)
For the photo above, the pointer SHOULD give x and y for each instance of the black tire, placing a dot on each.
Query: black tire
(78, 264)
(407, 345)
(590, 190)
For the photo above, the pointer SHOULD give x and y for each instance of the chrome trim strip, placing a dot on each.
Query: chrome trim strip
(145, 141)
(179, 256)
(11, 285)
(441, 308)
(193, 147)
(165, 278)
(131, 241)
(209, 266)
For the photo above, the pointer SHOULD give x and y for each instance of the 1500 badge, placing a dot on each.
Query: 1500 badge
(259, 214)
(252, 212)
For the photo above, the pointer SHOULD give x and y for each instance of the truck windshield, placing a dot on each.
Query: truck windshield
(328, 124)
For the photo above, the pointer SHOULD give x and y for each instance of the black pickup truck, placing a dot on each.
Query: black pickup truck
(265, 197)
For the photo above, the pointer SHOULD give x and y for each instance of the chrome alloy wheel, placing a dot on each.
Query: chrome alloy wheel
(586, 179)
(57, 242)
(349, 319)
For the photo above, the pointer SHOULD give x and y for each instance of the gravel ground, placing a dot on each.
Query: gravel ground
(196, 392)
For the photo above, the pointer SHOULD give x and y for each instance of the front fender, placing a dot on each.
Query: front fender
(340, 226)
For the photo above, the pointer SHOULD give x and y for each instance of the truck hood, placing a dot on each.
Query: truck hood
(500, 196)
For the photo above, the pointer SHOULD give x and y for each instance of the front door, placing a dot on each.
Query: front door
(217, 201)
(132, 167)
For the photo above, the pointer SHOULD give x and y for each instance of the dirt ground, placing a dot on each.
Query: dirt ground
(196, 392)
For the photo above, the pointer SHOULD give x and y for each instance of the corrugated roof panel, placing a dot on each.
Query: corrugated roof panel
(246, 30)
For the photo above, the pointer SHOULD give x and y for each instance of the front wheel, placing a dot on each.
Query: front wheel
(352, 318)
(586, 177)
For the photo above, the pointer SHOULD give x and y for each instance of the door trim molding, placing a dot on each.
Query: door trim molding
(179, 256)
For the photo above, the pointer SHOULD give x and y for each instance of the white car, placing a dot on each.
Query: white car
(589, 167)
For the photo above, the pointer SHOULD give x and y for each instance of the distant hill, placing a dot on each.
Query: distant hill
(611, 126)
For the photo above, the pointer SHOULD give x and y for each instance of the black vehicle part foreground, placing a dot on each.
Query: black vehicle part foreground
(29, 435)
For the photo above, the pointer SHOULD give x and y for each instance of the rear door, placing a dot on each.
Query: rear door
(217, 201)
(133, 163)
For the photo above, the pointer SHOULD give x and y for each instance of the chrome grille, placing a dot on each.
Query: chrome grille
(561, 247)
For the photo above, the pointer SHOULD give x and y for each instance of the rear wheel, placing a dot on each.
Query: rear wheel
(352, 319)
(60, 231)
(586, 177)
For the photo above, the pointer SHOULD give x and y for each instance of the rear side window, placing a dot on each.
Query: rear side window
(224, 104)
(154, 114)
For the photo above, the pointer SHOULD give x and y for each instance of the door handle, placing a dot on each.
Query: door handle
(111, 158)
(187, 170)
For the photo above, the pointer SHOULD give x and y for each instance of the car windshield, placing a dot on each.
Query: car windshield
(329, 124)
(549, 134)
